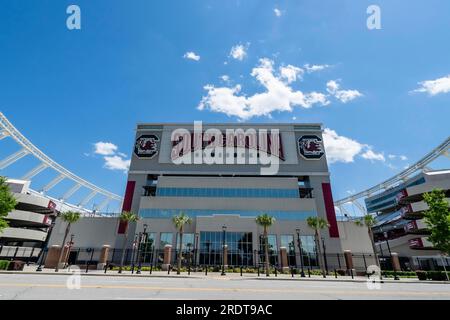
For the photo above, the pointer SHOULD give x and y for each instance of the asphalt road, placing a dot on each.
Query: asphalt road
(52, 287)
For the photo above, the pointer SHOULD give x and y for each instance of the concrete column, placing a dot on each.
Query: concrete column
(167, 257)
(396, 262)
(52, 256)
(103, 257)
(284, 259)
(349, 261)
(225, 258)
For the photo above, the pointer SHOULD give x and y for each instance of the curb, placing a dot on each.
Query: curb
(232, 278)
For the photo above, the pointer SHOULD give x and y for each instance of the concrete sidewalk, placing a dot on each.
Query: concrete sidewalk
(31, 270)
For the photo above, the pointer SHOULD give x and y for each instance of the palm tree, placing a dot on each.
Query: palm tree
(179, 222)
(69, 217)
(318, 223)
(126, 217)
(369, 221)
(265, 221)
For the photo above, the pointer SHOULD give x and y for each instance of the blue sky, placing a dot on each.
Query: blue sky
(67, 90)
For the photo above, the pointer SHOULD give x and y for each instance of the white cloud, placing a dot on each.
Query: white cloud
(225, 78)
(344, 96)
(114, 160)
(239, 52)
(400, 157)
(277, 12)
(192, 56)
(339, 148)
(105, 148)
(290, 73)
(434, 87)
(315, 67)
(343, 149)
(279, 96)
(369, 154)
(117, 163)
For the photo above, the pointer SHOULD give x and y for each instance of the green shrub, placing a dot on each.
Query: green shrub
(4, 264)
(422, 275)
(437, 275)
(400, 274)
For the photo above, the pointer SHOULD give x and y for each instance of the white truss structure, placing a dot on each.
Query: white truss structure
(27, 148)
(421, 165)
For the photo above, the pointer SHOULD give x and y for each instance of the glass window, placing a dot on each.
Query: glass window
(188, 241)
(165, 238)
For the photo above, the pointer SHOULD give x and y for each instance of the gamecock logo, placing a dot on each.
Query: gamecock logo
(311, 147)
(146, 146)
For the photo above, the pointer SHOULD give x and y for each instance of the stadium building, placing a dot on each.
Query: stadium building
(401, 227)
(223, 176)
(231, 195)
(29, 223)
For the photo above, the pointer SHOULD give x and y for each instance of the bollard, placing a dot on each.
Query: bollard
(351, 272)
(335, 273)
(206, 270)
(309, 273)
(241, 271)
(258, 271)
(168, 269)
(106, 268)
(292, 272)
(189, 270)
(276, 274)
(151, 268)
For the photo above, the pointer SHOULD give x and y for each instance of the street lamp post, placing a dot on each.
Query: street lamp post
(299, 242)
(197, 245)
(142, 239)
(390, 254)
(224, 228)
(68, 250)
(325, 255)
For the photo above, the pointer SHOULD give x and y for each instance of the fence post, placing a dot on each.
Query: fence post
(309, 272)
(206, 270)
(258, 271)
(335, 273)
(351, 272)
(276, 273)
(241, 270)
(31, 255)
(90, 260)
(365, 264)
(339, 260)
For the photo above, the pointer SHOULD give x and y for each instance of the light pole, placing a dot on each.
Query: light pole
(68, 250)
(299, 242)
(196, 246)
(390, 254)
(142, 239)
(224, 228)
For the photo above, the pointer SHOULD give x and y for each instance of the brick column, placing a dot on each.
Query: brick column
(103, 261)
(52, 256)
(284, 259)
(167, 257)
(396, 262)
(349, 261)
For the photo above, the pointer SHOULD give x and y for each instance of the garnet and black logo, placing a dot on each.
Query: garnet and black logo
(311, 147)
(146, 146)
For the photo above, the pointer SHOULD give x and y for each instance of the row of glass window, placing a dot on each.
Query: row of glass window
(279, 215)
(227, 193)
(236, 241)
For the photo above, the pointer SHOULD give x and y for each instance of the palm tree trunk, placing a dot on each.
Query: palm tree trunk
(319, 252)
(66, 233)
(266, 251)
(179, 252)
(124, 247)
(373, 247)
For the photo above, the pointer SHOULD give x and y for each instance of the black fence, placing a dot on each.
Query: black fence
(90, 258)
